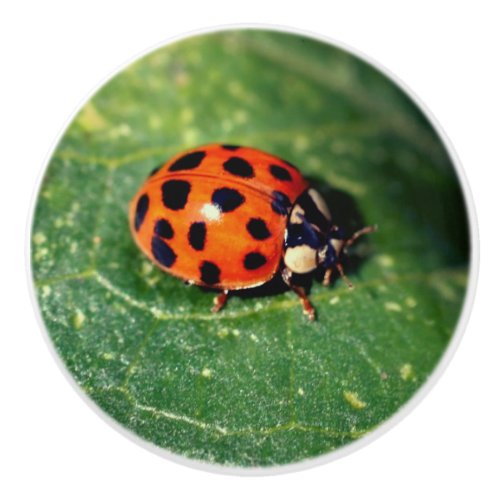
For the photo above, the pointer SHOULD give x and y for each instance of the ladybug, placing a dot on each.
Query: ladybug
(232, 217)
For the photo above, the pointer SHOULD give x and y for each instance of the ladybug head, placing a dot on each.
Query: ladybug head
(311, 241)
(336, 245)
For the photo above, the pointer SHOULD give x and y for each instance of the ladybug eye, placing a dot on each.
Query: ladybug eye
(337, 233)
(330, 256)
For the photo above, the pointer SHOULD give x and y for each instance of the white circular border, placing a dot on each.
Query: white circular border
(403, 410)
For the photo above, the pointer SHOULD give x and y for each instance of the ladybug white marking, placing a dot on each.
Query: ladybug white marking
(211, 212)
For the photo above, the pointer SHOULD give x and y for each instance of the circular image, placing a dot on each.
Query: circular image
(250, 248)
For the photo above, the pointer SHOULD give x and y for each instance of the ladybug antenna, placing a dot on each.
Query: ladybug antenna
(357, 234)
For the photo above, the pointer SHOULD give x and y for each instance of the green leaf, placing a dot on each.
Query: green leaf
(257, 384)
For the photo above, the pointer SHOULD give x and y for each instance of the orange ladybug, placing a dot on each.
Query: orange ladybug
(232, 217)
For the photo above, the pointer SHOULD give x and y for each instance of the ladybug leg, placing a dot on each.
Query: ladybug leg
(327, 277)
(340, 269)
(220, 301)
(307, 307)
(286, 275)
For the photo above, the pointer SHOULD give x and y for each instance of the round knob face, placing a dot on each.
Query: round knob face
(194, 232)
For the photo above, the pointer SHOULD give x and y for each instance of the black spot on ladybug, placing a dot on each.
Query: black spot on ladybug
(238, 166)
(227, 199)
(258, 229)
(164, 229)
(188, 162)
(280, 173)
(153, 172)
(230, 147)
(141, 209)
(162, 252)
(210, 273)
(254, 260)
(281, 203)
(175, 194)
(197, 235)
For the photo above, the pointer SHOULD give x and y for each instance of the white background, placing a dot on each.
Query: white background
(52, 55)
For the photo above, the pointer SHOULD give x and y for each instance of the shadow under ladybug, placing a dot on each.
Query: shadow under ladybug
(322, 225)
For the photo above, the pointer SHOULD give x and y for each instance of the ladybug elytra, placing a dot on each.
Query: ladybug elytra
(233, 217)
